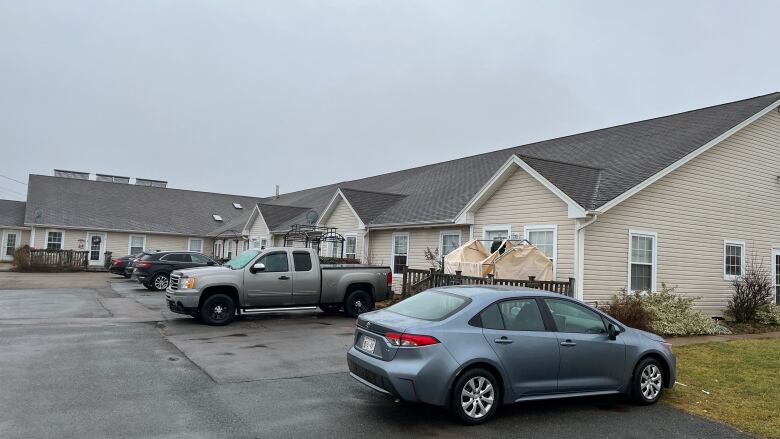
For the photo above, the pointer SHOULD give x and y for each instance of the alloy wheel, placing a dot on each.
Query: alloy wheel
(477, 397)
(161, 282)
(218, 311)
(650, 382)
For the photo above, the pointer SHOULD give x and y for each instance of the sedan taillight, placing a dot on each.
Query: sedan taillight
(409, 340)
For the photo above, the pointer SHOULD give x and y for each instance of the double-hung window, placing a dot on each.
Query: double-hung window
(137, 244)
(642, 260)
(54, 240)
(733, 259)
(195, 245)
(544, 238)
(350, 247)
(400, 252)
(449, 242)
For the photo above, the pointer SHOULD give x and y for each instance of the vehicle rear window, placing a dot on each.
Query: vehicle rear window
(430, 305)
(302, 261)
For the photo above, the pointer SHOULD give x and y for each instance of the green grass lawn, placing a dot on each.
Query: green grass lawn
(742, 379)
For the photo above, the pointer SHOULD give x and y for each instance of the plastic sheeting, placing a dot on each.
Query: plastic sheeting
(516, 262)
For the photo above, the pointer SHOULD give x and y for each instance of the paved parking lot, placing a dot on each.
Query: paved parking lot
(101, 357)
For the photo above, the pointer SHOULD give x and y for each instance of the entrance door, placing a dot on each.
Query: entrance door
(11, 241)
(96, 245)
(776, 273)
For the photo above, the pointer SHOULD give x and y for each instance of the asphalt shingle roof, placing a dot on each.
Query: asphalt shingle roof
(592, 168)
(70, 202)
(11, 213)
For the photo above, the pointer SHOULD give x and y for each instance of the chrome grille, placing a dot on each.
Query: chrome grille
(174, 284)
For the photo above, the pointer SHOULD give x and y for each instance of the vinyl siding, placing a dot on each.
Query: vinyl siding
(346, 223)
(259, 230)
(118, 243)
(729, 192)
(381, 247)
(523, 201)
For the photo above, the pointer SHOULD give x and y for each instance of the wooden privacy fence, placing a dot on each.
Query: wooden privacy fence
(415, 280)
(28, 259)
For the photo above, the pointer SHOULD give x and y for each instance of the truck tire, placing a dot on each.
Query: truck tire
(330, 308)
(217, 310)
(357, 303)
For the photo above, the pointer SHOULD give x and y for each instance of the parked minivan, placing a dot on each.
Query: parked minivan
(153, 270)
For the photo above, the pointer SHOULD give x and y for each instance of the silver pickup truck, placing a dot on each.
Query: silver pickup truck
(276, 279)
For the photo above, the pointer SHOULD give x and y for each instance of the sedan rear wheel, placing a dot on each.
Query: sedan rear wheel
(475, 397)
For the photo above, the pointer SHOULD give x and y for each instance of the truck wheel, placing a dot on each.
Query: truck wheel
(357, 303)
(330, 308)
(217, 310)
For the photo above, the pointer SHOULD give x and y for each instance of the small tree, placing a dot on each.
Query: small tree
(752, 290)
(432, 258)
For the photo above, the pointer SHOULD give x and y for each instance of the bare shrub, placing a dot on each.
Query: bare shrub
(752, 291)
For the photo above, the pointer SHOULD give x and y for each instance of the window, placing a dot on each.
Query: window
(10, 244)
(449, 241)
(776, 274)
(642, 258)
(275, 262)
(263, 243)
(216, 217)
(734, 259)
(572, 317)
(491, 318)
(302, 261)
(545, 238)
(230, 249)
(400, 252)
(492, 233)
(350, 249)
(137, 244)
(521, 315)
(430, 305)
(238, 205)
(195, 245)
(200, 259)
(54, 240)
(177, 257)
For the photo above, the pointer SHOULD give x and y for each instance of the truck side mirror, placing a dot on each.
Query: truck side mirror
(258, 267)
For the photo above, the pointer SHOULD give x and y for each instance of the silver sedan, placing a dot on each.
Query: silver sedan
(473, 348)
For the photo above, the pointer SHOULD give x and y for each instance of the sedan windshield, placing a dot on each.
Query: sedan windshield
(241, 260)
(430, 305)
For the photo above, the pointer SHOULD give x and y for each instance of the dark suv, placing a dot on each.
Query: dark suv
(153, 270)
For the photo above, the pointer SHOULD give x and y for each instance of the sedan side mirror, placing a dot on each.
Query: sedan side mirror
(258, 267)
(613, 331)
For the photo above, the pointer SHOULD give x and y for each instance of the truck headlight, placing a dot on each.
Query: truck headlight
(187, 283)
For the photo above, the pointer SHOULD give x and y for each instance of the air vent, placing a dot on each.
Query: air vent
(153, 183)
(238, 205)
(112, 178)
(71, 174)
(216, 217)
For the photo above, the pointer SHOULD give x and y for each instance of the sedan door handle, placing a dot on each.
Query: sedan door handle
(284, 278)
(502, 340)
(568, 343)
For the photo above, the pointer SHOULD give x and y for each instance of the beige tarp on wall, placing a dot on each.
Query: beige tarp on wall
(517, 261)
(467, 259)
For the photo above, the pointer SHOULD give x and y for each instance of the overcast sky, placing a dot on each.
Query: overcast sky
(238, 96)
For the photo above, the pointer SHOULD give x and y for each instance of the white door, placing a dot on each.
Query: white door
(96, 246)
(11, 241)
(776, 273)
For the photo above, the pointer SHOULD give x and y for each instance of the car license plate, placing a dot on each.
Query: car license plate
(368, 344)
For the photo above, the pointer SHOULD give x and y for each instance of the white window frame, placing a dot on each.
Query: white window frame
(447, 233)
(392, 251)
(775, 253)
(654, 271)
(189, 244)
(346, 237)
(741, 243)
(130, 243)
(46, 239)
(545, 228)
(497, 227)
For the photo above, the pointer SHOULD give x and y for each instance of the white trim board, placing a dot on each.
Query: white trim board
(741, 243)
(392, 251)
(545, 228)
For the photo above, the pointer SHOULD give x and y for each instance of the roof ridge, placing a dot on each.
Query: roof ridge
(373, 192)
(560, 162)
(283, 205)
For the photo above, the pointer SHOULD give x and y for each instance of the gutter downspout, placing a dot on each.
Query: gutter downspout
(579, 251)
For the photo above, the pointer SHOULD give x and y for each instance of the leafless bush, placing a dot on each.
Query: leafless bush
(752, 290)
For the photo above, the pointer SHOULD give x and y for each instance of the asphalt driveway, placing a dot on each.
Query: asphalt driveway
(111, 361)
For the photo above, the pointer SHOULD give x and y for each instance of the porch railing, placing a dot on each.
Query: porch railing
(29, 259)
(415, 281)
